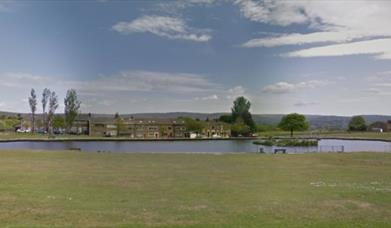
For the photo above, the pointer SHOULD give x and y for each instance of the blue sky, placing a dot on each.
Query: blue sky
(313, 57)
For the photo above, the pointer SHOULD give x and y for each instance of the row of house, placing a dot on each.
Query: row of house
(147, 128)
(380, 126)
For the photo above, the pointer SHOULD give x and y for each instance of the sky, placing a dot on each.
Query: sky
(311, 57)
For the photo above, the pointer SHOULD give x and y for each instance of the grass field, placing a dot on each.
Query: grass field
(325, 134)
(73, 189)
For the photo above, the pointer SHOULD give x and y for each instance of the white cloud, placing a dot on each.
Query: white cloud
(373, 90)
(131, 81)
(207, 98)
(364, 22)
(273, 12)
(381, 77)
(168, 27)
(235, 92)
(175, 7)
(383, 85)
(379, 84)
(381, 48)
(300, 39)
(144, 81)
(285, 87)
(27, 81)
(222, 94)
(302, 104)
(115, 91)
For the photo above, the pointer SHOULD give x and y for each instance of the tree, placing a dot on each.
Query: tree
(33, 108)
(357, 123)
(20, 119)
(241, 109)
(293, 122)
(58, 122)
(53, 105)
(119, 123)
(45, 99)
(194, 125)
(72, 106)
(226, 118)
(239, 128)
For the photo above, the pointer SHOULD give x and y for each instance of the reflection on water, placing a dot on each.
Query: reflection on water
(204, 146)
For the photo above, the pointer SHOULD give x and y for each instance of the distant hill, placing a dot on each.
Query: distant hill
(316, 121)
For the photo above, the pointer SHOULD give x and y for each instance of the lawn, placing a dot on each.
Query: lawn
(74, 189)
(329, 134)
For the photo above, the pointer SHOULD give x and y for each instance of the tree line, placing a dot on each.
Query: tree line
(242, 123)
(240, 118)
(49, 101)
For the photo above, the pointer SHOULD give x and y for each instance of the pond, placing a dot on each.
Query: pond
(196, 146)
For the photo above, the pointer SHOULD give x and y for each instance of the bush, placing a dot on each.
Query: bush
(287, 142)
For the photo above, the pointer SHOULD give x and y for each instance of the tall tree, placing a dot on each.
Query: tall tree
(33, 108)
(53, 105)
(226, 118)
(293, 122)
(72, 107)
(58, 122)
(241, 109)
(45, 99)
(119, 123)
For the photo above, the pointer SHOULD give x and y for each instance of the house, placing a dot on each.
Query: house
(138, 128)
(380, 126)
(81, 127)
(145, 128)
(216, 129)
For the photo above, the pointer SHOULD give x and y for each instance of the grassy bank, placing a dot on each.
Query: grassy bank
(330, 134)
(248, 190)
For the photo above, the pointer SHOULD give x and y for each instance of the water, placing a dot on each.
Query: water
(357, 145)
(204, 146)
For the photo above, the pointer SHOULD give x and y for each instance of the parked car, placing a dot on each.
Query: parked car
(41, 131)
(110, 133)
(59, 131)
(21, 130)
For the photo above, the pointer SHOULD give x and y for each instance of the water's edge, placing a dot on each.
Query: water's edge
(177, 139)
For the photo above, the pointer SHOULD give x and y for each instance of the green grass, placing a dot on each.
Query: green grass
(336, 134)
(74, 189)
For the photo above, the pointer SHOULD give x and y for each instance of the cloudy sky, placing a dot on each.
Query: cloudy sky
(313, 57)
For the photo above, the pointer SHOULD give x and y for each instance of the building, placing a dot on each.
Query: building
(145, 128)
(138, 128)
(216, 129)
(380, 126)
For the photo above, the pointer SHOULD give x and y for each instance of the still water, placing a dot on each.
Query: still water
(203, 146)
